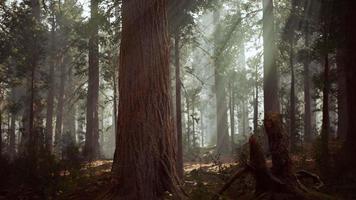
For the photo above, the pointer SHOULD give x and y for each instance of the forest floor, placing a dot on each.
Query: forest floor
(201, 182)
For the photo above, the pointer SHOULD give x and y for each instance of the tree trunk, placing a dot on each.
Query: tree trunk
(31, 140)
(255, 111)
(115, 101)
(271, 85)
(232, 117)
(324, 159)
(60, 107)
(222, 146)
(341, 96)
(50, 94)
(307, 94)
(69, 125)
(12, 145)
(145, 153)
(293, 131)
(348, 26)
(91, 147)
(0, 130)
(188, 122)
(202, 128)
(178, 106)
(278, 144)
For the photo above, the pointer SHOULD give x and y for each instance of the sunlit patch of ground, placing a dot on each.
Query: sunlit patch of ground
(210, 167)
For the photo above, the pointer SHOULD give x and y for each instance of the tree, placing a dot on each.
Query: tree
(270, 81)
(307, 84)
(347, 24)
(91, 148)
(34, 61)
(222, 146)
(277, 139)
(178, 106)
(50, 94)
(144, 163)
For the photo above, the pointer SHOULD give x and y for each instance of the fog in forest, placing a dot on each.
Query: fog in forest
(177, 99)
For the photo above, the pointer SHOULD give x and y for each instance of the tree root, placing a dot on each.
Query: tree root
(305, 174)
(266, 182)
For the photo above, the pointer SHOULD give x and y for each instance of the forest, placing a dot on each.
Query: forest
(177, 99)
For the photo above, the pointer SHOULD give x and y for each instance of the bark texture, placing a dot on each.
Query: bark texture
(271, 85)
(348, 19)
(278, 144)
(144, 166)
(91, 148)
(178, 107)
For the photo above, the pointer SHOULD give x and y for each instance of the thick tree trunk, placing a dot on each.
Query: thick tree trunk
(348, 26)
(91, 147)
(222, 146)
(221, 117)
(145, 153)
(178, 106)
(278, 144)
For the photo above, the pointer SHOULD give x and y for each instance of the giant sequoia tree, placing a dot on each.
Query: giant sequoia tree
(348, 47)
(144, 163)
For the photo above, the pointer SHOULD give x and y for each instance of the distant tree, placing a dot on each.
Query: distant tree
(270, 86)
(91, 148)
(222, 145)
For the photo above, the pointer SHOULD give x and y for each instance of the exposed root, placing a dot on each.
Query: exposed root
(316, 179)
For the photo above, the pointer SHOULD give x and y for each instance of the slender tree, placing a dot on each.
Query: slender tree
(91, 148)
(60, 105)
(307, 93)
(50, 94)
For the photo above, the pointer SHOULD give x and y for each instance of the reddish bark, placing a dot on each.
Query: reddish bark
(144, 165)
(278, 146)
(178, 107)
